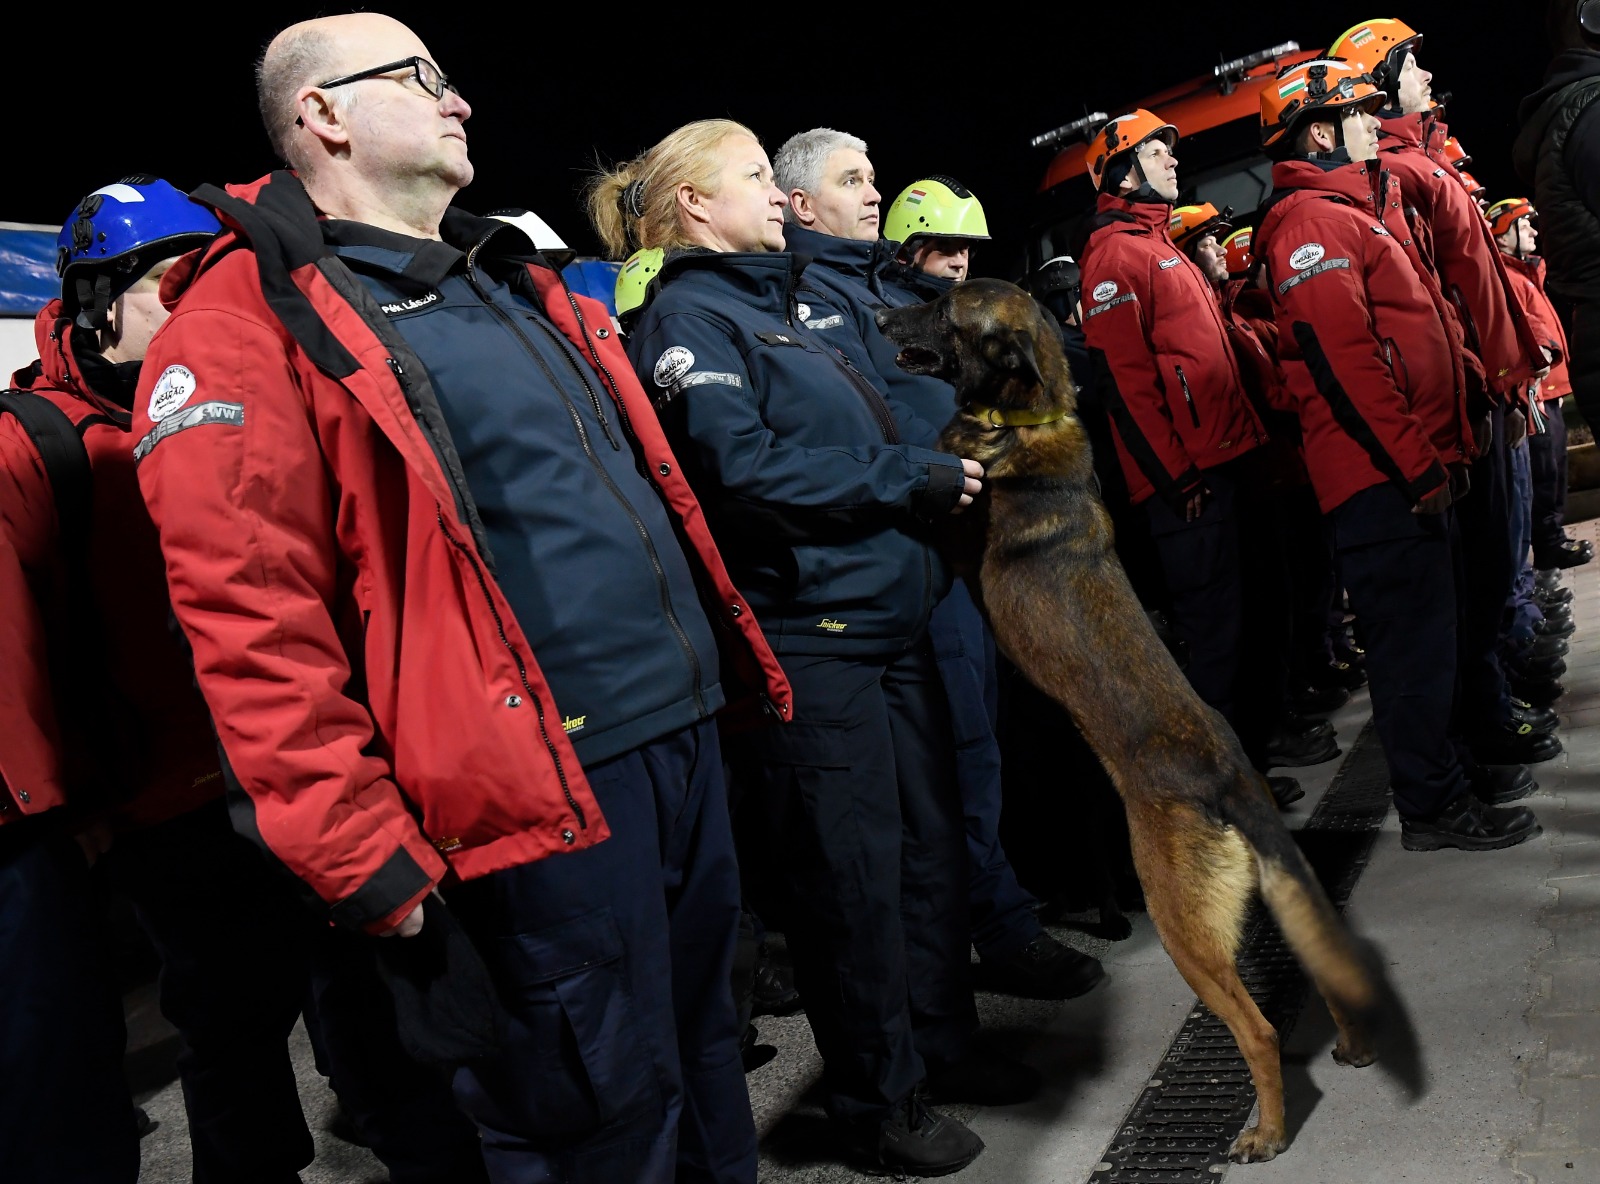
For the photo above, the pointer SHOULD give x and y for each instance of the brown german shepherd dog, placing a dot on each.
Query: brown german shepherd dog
(1205, 832)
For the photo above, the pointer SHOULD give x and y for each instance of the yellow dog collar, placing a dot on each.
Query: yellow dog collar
(997, 418)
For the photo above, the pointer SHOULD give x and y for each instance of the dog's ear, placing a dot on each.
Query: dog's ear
(1010, 349)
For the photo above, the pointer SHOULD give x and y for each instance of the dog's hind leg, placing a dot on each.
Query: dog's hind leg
(1197, 900)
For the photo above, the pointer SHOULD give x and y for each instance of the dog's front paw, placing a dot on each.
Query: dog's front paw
(1356, 1054)
(1256, 1146)
(1114, 926)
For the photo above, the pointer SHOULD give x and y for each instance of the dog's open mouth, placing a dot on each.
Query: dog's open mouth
(916, 359)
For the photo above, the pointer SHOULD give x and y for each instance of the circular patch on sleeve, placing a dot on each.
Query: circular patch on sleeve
(1104, 290)
(803, 311)
(1306, 256)
(672, 365)
(172, 390)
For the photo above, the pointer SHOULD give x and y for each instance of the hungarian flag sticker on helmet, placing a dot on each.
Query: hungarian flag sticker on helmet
(1361, 36)
(915, 197)
(1293, 86)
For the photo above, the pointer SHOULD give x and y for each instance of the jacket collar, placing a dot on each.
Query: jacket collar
(1352, 182)
(1531, 266)
(858, 257)
(1402, 131)
(1131, 217)
(68, 362)
(764, 280)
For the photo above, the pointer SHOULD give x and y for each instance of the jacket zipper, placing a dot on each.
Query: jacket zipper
(605, 477)
(522, 668)
(1194, 412)
(594, 397)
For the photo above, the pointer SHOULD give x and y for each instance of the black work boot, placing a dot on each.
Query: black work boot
(1469, 825)
(1500, 785)
(1513, 744)
(1541, 692)
(916, 1141)
(773, 992)
(1043, 969)
(1284, 748)
(1285, 790)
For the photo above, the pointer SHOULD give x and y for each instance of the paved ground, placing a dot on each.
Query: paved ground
(1498, 956)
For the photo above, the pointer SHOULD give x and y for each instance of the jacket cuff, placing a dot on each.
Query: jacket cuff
(385, 899)
(1431, 479)
(1181, 488)
(940, 495)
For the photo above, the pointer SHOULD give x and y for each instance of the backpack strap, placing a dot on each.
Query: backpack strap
(66, 463)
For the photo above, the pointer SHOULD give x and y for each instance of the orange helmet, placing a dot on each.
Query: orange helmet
(1505, 213)
(1474, 189)
(1320, 86)
(1456, 154)
(1124, 134)
(1237, 245)
(1190, 224)
(1379, 47)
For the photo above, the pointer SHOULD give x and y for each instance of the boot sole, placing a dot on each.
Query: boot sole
(1440, 842)
(920, 1171)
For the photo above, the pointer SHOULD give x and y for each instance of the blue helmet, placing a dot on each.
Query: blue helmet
(117, 234)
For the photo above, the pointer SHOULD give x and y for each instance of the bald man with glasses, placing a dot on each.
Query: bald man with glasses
(423, 531)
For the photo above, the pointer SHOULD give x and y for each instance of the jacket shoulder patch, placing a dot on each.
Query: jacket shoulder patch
(672, 365)
(172, 390)
(1306, 255)
(1104, 290)
(1168, 263)
(198, 415)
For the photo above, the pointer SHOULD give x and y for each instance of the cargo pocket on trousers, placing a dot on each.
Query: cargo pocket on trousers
(578, 1058)
(812, 787)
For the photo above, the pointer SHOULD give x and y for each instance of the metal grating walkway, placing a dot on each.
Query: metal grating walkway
(1200, 1096)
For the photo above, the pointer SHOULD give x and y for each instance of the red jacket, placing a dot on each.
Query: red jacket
(1254, 335)
(1461, 248)
(1527, 286)
(374, 694)
(136, 704)
(1370, 363)
(1175, 395)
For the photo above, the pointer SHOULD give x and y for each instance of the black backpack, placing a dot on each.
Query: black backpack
(66, 464)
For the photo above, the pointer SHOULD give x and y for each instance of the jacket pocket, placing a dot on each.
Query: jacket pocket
(577, 1060)
(1188, 398)
(1397, 365)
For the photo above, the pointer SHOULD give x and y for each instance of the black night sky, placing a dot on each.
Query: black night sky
(935, 89)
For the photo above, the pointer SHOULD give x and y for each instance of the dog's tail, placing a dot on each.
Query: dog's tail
(1347, 970)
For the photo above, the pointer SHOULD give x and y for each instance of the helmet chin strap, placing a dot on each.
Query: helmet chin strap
(1340, 152)
(1143, 191)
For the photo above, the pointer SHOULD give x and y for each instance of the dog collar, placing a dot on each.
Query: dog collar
(996, 418)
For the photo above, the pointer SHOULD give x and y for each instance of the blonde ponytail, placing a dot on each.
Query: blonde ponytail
(636, 204)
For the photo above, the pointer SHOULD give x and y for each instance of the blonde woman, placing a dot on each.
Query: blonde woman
(826, 517)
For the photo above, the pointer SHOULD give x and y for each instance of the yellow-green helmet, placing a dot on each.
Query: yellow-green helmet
(937, 207)
(642, 267)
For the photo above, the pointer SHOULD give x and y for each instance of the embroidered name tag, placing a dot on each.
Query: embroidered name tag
(395, 307)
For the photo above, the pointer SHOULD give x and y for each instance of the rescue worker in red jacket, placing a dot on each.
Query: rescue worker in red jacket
(1288, 576)
(86, 598)
(420, 527)
(1456, 244)
(1378, 387)
(1512, 221)
(1182, 423)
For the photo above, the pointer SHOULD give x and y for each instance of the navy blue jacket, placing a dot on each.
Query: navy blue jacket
(904, 284)
(579, 539)
(825, 516)
(842, 290)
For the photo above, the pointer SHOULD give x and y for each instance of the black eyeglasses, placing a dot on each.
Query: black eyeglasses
(428, 76)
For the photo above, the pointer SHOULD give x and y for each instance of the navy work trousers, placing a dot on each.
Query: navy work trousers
(1547, 458)
(240, 958)
(1398, 570)
(1487, 576)
(1003, 920)
(622, 1055)
(1201, 562)
(866, 822)
(65, 1114)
